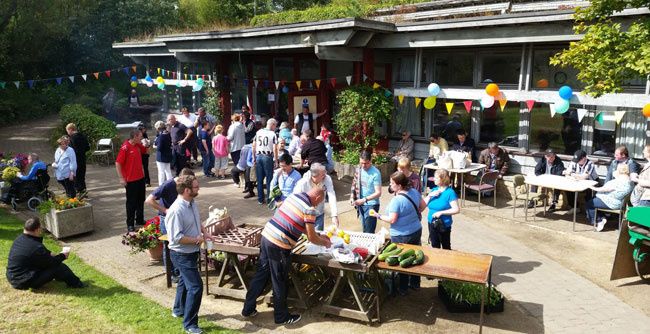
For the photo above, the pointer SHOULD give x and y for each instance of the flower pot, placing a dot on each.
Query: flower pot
(454, 306)
(70, 222)
(156, 253)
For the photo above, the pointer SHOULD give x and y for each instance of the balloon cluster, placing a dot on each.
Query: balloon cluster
(491, 91)
(198, 85)
(434, 90)
(148, 80)
(134, 81)
(562, 104)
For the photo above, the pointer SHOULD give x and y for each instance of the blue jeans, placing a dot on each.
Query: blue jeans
(208, 162)
(368, 222)
(189, 290)
(320, 222)
(163, 231)
(591, 206)
(644, 203)
(408, 280)
(264, 164)
(274, 262)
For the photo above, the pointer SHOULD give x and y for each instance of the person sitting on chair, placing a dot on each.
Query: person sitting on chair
(17, 184)
(610, 196)
(550, 164)
(405, 148)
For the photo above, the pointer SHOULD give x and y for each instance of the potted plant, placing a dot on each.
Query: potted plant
(362, 108)
(465, 297)
(146, 238)
(66, 217)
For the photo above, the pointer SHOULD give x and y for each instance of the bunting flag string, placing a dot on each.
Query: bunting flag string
(449, 105)
(31, 83)
(599, 118)
(59, 80)
(552, 107)
(298, 83)
(2, 84)
(71, 78)
(96, 74)
(17, 83)
(126, 70)
(348, 79)
(365, 77)
(468, 106)
(581, 114)
(619, 116)
(254, 81)
(277, 84)
(133, 68)
(84, 76)
(387, 93)
(400, 98)
(502, 103)
(417, 101)
(317, 83)
(333, 80)
(530, 104)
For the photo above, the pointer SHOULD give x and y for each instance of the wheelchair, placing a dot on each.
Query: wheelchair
(34, 192)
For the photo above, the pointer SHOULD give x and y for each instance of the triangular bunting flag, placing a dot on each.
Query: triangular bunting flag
(348, 79)
(317, 83)
(31, 83)
(277, 84)
(387, 93)
(552, 107)
(58, 80)
(530, 104)
(266, 83)
(417, 101)
(126, 70)
(310, 85)
(619, 116)
(96, 74)
(502, 103)
(186, 77)
(581, 114)
(254, 81)
(246, 82)
(298, 83)
(192, 78)
(203, 77)
(449, 105)
(599, 118)
(174, 75)
(375, 85)
(333, 80)
(71, 78)
(159, 70)
(108, 73)
(17, 83)
(163, 72)
(84, 76)
(365, 77)
(2, 84)
(468, 106)
(133, 68)
(400, 98)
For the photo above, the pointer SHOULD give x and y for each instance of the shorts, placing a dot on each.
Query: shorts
(220, 163)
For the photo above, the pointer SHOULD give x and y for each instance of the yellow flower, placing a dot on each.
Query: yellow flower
(71, 200)
(62, 202)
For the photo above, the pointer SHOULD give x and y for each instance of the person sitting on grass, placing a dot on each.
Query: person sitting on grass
(31, 265)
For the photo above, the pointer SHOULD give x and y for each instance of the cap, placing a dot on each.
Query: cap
(549, 152)
(579, 155)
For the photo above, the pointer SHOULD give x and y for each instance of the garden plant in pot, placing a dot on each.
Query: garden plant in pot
(66, 217)
(465, 297)
(146, 238)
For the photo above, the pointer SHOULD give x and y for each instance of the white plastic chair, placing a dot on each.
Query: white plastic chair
(105, 148)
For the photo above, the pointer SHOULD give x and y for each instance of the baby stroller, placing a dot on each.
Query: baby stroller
(34, 192)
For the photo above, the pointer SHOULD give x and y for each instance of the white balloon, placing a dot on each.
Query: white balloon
(487, 101)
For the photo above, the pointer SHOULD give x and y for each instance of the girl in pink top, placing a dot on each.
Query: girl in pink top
(220, 148)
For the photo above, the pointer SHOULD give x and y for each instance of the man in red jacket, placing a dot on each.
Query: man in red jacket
(131, 174)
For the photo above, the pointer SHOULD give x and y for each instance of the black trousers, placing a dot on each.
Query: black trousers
(275, 261)
(440, 239)
(145, 166)
(193, 143)
(179, 158)
(135, 195)
(61, 273)
(556, 193)
(69, 187)
(80, 177)
(570, 195)
(235, 172)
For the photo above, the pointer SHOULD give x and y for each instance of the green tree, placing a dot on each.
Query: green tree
(609, 53)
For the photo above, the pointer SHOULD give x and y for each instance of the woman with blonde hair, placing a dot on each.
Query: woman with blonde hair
(610, 195)
(443, 203)
(404, 166)
(65, 166)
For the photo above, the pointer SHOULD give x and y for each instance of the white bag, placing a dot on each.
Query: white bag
(444, 161)
(459, 159)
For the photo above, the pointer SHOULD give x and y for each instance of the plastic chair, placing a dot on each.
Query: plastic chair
(620, 212)
(484, 186)
(104, 148)
(519, 181)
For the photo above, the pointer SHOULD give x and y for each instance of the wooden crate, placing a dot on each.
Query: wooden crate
(248, 236)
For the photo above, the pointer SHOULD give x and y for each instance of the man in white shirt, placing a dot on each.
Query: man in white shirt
(305, 120)
(265, 157)
(317, 176)
(188, 119)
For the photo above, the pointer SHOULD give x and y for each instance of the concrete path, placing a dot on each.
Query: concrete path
(543, 294)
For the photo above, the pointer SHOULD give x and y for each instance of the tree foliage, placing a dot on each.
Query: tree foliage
(610, 53)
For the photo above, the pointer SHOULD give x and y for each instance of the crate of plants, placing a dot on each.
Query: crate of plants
(466, 298)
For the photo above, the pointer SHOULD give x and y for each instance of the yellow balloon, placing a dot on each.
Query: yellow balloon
(430, 102)
(160, 80)
(134, 84)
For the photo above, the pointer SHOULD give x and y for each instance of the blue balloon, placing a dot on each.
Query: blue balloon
(197, 87)
(285, 89)
(565, 92)
(134, 78)
(148, 78)
(434, 89)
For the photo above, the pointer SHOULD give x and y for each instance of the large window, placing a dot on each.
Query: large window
(380, 72)
(408, 117)
(604, 142)
(338, 69)
(260, 69)
(454, 69)
(447, 124)
(549, 76)
(501, 126)
(405, 66)
(562, 132)
(283, 69)
(309, 69)
(503, 68)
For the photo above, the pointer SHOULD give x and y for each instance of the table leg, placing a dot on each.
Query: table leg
(168, 265)
(335, 291)
(222, 273)
(526, 205)
(462, 187)
(480, 322)
(207, 286)
(575, 206)
(237, 266)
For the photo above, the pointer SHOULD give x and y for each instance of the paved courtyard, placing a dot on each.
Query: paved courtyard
(555, 280)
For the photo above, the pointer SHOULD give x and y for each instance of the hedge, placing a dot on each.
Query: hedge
(90, 125)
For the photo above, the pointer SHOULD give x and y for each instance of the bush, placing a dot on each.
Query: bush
(90, 125)
(150, 99)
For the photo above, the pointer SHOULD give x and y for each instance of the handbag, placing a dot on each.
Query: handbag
(439, 226)
(459, 159)
(414, 206)
(445, 162)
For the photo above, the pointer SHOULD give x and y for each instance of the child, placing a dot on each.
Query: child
(325, 132)
(220, 146)
(206, 148)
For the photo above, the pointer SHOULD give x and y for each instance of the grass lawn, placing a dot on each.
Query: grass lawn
(104, 307)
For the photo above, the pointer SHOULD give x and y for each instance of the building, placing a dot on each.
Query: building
(462, 45)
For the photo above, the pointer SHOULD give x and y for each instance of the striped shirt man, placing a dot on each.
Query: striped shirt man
(288, 222)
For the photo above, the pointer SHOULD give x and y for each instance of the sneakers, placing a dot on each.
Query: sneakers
(601, 225)
(194, 330)
(130, 228)
(245, 190)
(236, 185)
(531, 204)
(551, 208)
(174, 315)
(293, 318)
(252, 314)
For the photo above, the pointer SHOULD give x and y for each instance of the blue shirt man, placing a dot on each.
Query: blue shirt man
(36, 166)
(286, 177)
(365, 192)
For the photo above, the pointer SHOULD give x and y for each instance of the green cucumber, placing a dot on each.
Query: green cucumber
(407, 262)
(392, 260)
(383, 256)
(389, 248)
(419, 255)
(406, 254)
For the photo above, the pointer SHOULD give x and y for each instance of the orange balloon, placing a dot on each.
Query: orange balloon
(542, 83)
(646, 110)
(492, 89)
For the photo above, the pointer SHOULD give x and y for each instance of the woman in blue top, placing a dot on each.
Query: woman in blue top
(65, 165)
(443, 203)
(610, 195)
(403, 213)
